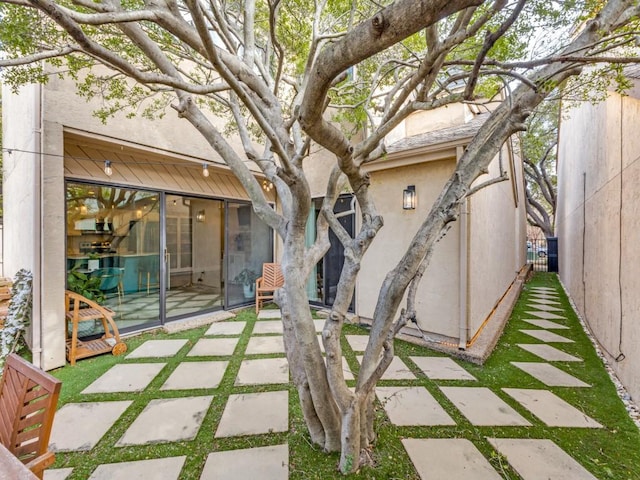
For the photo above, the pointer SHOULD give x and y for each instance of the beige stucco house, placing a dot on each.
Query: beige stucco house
(132, 204)
(598, 224)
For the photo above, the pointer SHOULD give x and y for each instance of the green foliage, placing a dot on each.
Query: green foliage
(19, 314)
(85, 285)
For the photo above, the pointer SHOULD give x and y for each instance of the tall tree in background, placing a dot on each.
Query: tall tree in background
(280, 70)
(539, 155)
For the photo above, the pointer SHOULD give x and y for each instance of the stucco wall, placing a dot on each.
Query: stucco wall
(437, 301)
(598, 201)
(168, 133)
(497, 238)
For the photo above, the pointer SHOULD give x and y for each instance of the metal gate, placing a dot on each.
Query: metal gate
(543, 254)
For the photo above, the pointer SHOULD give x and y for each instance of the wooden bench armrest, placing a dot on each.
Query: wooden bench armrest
(38, 464)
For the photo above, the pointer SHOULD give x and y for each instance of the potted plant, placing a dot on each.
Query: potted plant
(85, 285)
(248, 279)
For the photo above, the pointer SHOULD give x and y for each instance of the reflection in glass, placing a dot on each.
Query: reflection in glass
(113, 251)
(249, 245)
(194, 240)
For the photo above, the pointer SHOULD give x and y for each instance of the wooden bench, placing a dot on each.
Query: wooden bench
(5, 299)
(81, 309)
(270, 281)
(28, 400)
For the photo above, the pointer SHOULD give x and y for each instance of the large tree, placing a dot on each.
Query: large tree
(539, 156)
(283, 72)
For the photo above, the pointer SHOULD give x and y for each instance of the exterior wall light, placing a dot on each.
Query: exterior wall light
(107, 168)
(200, 216)
(409, 198)
(205, 170)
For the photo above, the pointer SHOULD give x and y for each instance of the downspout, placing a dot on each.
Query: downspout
(465, 212)
(36, 322)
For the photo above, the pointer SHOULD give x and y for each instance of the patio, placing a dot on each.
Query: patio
(216, 403)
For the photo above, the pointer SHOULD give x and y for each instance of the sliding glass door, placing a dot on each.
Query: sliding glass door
(113, 252)
(249, 244)
(152, 256)
(194, 241)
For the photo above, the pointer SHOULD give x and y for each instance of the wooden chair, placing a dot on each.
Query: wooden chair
(28, 400)
(5, 299)
(81, 309)
(270, 281)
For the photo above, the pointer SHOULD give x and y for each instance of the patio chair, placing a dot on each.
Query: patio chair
(5, 299)
(270, 281)
(80, 309)
(28, 400)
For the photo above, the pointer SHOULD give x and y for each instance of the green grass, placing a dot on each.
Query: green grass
(609, 453)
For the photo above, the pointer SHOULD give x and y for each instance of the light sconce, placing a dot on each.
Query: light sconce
(267, 185)
(409, 198)
(205, 170)
(83, 210)
(107, 168)
(138, 213)
(200, 216)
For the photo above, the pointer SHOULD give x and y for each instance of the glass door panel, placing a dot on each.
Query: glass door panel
(249, 244)
(194, 234)
(113, 251)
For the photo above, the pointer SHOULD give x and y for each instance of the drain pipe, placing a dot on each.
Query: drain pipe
(465, 228)
(36, 323)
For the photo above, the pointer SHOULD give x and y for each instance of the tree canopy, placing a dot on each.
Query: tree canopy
(342, 75)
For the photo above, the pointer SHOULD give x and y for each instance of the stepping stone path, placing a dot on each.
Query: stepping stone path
(452, 397)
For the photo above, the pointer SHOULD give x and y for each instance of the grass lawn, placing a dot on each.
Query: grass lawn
(612, 452)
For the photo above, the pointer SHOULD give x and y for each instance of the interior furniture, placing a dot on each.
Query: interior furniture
(148, 273)
(266, 285)
(28, 400)
(110, 279)
(81, 309)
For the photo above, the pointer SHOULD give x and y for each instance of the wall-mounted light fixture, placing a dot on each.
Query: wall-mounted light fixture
(200, 216)
(107, 168)
(267, 185)
(205, 170)
(409, 198)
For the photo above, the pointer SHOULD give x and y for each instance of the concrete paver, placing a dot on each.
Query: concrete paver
(263, 371)
(534, 299)
(482, 407)
(549, 375)
(167, 420)
(551, 409)
(545, 308)
(125, 377)
(441, 368)
(80, 426)
(213, 347)
(548, 324)
(407, 406)
(226, 328)
(158, 468)
(545, 315)
(540, 459)
(262, 345)
(264, 463)
(548, 353)
(358, 343)
(450, 458)
(547, 336)
(194, 375)
(268, 326)
(270, 313)
(397, 370)
(57, 473)
(254, 414)
(158, 348)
